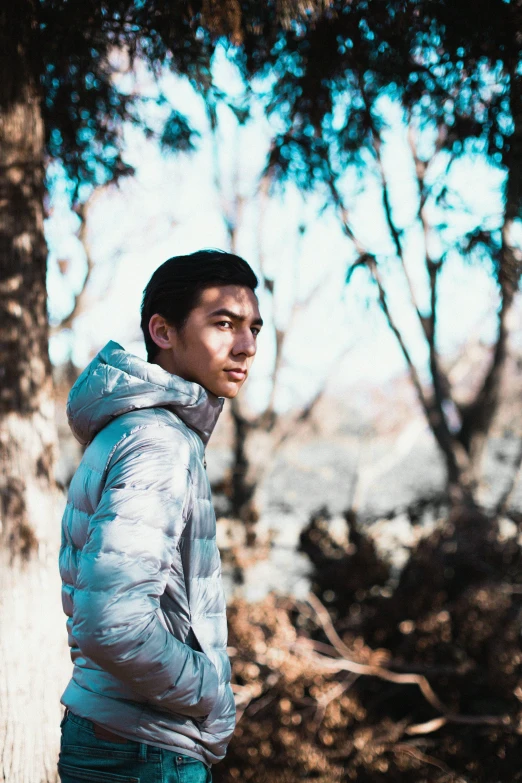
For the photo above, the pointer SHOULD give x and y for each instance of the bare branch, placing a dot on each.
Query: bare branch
(82, 297)
(436, 421)
(307, 411)
(346, 664)
(403, 747)
(333, 693)
(394, 231)
(434, 409)
(280, 338)
(506, 497)
(269, 418)
(478, 417)
(343, 215)
(372, 265)
(441, 387)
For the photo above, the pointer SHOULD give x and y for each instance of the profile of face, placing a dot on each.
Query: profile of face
(217, 345)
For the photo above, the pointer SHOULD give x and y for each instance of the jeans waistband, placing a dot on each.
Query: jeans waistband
(87, 724)
(146, 748)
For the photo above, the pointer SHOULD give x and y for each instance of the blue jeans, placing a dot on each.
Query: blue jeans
(85, 757)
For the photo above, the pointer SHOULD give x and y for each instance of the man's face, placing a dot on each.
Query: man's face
(217, 345)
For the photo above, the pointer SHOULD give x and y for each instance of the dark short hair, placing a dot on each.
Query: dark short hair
(174, 289)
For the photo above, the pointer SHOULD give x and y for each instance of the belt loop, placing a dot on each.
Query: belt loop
(142, 755)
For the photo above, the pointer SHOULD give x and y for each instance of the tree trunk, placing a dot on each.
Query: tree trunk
(477, 418)
(32, 669)
(242, 488)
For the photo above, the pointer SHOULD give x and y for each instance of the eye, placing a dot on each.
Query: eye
(255, 331)
(224, 323)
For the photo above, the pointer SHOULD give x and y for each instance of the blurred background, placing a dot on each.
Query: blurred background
(366, 160)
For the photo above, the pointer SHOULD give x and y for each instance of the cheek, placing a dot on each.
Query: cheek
(215, 349)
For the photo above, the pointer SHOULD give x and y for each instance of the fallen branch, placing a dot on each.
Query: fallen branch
(247, 696)
(422, 757)
(371, 670)
(324, 700)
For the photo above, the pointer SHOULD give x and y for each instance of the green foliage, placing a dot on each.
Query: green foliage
(177, 134)
(79, 49)
(452, 64)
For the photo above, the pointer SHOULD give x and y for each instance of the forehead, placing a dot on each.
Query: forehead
(237, 298)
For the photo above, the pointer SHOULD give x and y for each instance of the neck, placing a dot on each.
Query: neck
(165, 359)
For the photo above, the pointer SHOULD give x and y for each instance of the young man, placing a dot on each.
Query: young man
(150, 697)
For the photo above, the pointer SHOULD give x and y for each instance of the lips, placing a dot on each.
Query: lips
(236, 374)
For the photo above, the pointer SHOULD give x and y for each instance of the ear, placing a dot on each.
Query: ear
(160, 331)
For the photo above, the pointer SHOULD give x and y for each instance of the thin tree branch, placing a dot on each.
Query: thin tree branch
(434, 408)
(478, 417)
(268, 418)
(343, 214)
(82, 297)
(346, 664)
(403, 747)
(369, 260)
(333, 693)
(374, 270)
(394, 231)
(506, 497)
(307, 411)
(458, 490)
(440, 383)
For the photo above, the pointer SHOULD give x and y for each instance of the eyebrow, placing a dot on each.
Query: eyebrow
(235, 316)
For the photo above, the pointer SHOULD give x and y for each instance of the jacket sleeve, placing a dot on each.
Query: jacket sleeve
(123, 570)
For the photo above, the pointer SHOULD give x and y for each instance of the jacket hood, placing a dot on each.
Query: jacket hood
(117, 382)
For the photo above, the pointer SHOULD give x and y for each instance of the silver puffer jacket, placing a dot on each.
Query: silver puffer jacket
(140, 568)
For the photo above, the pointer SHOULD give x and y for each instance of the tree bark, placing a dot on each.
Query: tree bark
(32, 633)
(27, 430)
(242, 489)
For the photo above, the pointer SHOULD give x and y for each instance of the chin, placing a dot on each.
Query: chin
(229, 393)
(222, 388)
(229, 390)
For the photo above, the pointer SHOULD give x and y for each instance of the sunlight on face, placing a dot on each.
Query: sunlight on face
(217, 345)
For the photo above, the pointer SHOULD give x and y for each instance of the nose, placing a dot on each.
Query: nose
(245, 344)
